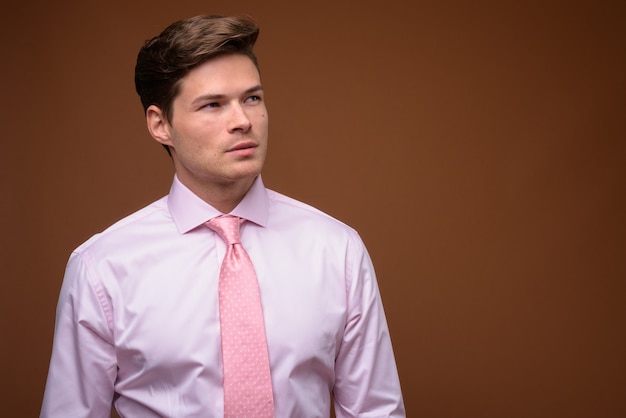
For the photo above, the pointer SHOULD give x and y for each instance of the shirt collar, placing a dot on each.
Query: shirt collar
(189, 211)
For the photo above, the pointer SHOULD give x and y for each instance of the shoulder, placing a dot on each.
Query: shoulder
(138, 225)
(286, 206)
(298, 215)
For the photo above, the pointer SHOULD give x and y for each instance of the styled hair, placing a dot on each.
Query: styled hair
(165, 59)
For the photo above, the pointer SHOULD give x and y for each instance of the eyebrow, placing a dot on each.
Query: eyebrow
(207, 97)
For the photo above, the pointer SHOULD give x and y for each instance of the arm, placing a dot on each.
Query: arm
(367, 383)
(83, 365)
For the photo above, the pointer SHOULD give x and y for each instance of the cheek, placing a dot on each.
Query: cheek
(263, 122)
(197, 139)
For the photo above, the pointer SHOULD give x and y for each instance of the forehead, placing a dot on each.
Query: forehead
(225, 74)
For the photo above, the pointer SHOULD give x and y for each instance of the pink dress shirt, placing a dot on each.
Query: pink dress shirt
(137, 321)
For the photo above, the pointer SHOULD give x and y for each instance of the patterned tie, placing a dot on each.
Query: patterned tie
(247, 380)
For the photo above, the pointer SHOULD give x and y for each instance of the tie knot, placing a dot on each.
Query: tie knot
(227, 227)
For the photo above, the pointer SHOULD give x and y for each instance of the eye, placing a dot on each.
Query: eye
(211, 105)
(253, 99)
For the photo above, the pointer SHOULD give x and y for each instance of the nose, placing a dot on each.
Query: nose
(239, 120)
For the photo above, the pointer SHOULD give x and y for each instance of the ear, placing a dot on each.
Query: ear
(158, 125)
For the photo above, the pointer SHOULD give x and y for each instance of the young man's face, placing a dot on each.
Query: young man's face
(218, 131)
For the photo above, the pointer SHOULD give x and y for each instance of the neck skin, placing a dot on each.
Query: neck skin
(222, 195)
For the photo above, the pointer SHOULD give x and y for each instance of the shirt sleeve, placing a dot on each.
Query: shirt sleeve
(366, 377)
(83, 365)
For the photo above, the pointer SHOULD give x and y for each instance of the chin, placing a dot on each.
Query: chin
(249, 170)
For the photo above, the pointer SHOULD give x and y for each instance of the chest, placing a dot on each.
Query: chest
(167, 310)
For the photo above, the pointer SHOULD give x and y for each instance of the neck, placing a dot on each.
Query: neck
(223, 196)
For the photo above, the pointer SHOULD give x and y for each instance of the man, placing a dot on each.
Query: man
(141, 324)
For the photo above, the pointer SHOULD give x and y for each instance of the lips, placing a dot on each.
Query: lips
(243, 146)
(244, 149)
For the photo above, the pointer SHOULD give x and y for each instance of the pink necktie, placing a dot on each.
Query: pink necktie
(247, 379)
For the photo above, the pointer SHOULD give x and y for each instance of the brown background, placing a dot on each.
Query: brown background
(478, 147)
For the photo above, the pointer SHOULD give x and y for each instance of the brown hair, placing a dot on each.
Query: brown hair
(165, 59)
